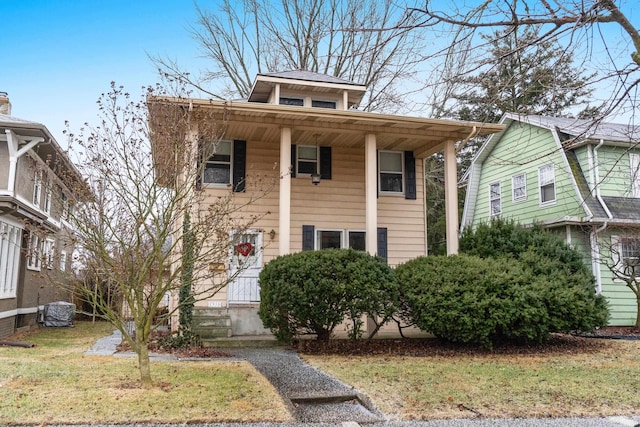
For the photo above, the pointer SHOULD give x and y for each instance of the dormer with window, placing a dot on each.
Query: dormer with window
(306, 89)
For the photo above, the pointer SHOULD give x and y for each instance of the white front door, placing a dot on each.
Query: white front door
(245, 266)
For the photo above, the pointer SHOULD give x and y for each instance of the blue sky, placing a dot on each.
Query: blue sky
(58, 56)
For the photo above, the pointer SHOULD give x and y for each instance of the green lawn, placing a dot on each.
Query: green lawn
(56, 383)
(594, 383)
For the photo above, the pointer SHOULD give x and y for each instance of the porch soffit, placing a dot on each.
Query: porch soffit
(335, 127)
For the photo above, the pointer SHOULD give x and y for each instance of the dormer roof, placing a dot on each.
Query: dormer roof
(300, 80)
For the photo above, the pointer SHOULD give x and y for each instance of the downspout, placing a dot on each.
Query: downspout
(593, 237)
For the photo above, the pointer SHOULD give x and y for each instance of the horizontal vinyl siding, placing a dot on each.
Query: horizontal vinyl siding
(523, 149)
(622, 301)
(337, 203)
(614, 169)
(404, 220)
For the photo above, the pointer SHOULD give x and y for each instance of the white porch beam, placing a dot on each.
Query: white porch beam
(371, 192)
(451, 197)
(284, 217)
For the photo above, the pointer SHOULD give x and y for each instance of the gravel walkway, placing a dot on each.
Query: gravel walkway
(314, 395)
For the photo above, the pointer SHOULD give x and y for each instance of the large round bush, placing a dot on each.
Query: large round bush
(315, 291)
(559, 274)
(473, 300)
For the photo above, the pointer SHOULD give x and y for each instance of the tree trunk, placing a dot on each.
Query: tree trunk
(144, 365)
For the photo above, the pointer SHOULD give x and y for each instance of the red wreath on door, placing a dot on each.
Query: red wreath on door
(244, 249)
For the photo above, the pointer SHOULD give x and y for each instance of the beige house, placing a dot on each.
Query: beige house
(34, 203)
(343, 177)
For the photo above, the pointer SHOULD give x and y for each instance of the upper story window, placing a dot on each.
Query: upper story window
(47, 199)
(298, 102)
(519, 187)
(390, 171)
(357, 240)
(329, 239)
(307, 159)
(634, 159)
(547, 182)
(48, 253)
(495, 199)
(323, 104)
(37, 187)
(66, 209)
(217, 169)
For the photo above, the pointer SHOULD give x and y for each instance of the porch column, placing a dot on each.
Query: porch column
(284, 217)
(451, 197)
(371, 193)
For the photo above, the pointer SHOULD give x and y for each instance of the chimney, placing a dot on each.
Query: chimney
(5, 105)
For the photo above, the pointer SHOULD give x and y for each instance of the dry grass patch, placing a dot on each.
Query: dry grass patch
(56, 383)
(597, 379)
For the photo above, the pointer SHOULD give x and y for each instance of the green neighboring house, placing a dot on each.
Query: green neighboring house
(579, 180)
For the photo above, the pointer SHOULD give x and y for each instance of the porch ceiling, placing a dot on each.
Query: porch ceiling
(338, 128)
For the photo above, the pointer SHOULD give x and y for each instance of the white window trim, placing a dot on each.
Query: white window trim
(304, 174)
(513, 188)
(63, 261)
(634, 164)
(391, 193)
(219, 184)
(34, 252)
(318, 240)
(616, 254)
(48, 253)
(47, 199)
(499, 199)
(10, 248)
(555, 188)
(37, 188)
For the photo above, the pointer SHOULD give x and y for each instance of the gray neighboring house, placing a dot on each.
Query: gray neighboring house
(580, 181)
(35, 194)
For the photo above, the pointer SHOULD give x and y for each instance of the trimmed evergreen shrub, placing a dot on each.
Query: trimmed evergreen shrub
(315, 291)
(512, 284)
(559, 273)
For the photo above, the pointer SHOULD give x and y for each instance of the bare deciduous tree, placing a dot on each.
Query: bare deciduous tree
(142, 178)
(255, 36)
(580, 25)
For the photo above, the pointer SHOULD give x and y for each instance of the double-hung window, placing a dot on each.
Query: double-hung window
(10, 239)
(307, 159)
(547, 182)
(495, 199)
(634, 159)
(357, 240)
(47, 199)
(37, 188)
(33, 260)
(48, 253)
(391, 171)
(630, 256)
(217, 169)
(63, 260)
(519, 187)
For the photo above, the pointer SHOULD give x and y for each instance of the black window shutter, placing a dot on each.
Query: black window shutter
(239, 165)
(382, 243)
(377, 174)
(409, 175)
(308, 232)
(325, 162)
(201, 167)
(294, 156)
